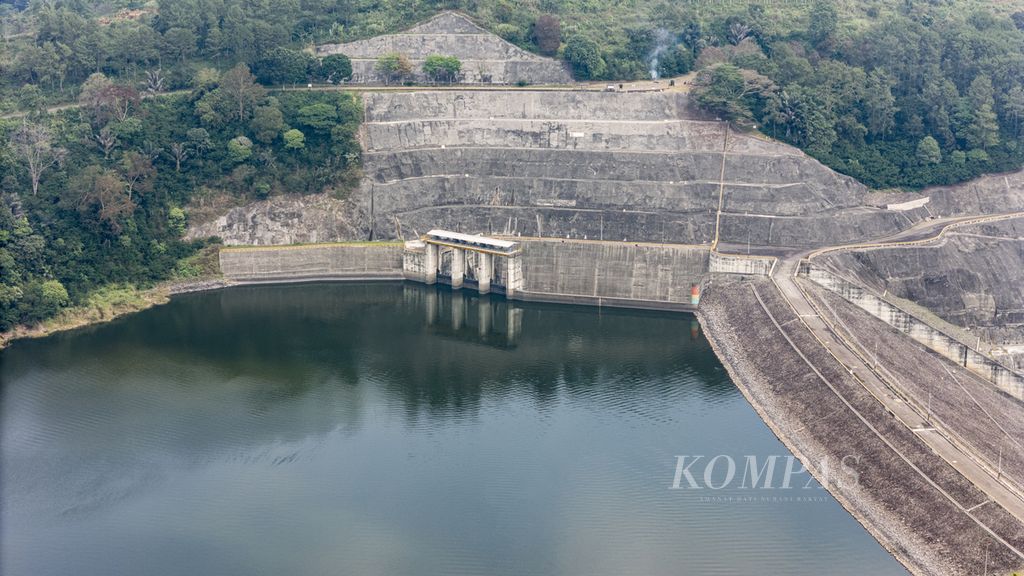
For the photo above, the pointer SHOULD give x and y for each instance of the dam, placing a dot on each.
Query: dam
(854, 321)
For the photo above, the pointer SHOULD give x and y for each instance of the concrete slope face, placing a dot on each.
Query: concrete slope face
(972, 278)
(486, 58)
(592, 165)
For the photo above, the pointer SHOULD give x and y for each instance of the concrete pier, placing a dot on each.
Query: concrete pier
(485, 269)
(431, 262)
(458, 267)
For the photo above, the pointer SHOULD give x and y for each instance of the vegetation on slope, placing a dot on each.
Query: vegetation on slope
(94, 195)
(908, 93)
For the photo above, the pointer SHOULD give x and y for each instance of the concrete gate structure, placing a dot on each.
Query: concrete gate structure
(454, 256)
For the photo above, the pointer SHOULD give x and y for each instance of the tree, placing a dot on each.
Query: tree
(321, 116)
(176, 220)
(138, 173)
(106, 139)
(1013, 106)
(824, 20)
(983, 131)
(179, 43)
(179, 152)
(30, 99)
(92, 97)
(104, 100)
(44, 299)
(239, 86)
(738, 32)
(442, 68)
(335, 68)
(879, 103)
(198, 140)
(724, 89)
(675, 61)
(103, 192)
(294, 139)
(239, 149)
(284, 66)
(585, 58)
(154, 81)
(394, 67)
(928, 152)
(267, 122)
(547, 34)
(33, 144)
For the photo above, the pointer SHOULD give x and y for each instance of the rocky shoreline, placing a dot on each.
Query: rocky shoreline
(906, 497)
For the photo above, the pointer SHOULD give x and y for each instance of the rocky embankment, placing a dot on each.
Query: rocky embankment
(920, 508)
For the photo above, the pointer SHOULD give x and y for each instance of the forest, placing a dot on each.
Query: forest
(123, 118)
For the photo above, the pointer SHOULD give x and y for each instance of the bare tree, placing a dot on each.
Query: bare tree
(179, 151)
(107, 141)
(154, 81)
(241, 89)
(138, 173)
(738, 32)
(33, 144)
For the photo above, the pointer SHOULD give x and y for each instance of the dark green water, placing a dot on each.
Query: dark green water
(390, 429)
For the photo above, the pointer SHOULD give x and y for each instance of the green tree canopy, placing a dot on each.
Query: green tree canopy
(928, 151)
(585, 58)
(442, 68)
(284, 66)
(294, 139)
(334, 68)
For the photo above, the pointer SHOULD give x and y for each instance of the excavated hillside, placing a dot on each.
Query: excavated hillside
(640, 166)
(485, 58)
(972, 278)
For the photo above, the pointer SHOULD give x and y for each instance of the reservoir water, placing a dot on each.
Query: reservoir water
(393, 429)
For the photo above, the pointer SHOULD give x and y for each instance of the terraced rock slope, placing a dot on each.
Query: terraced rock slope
(485, 57)
(643, 166)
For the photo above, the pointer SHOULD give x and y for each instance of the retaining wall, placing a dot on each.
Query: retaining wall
(313, 262)
(1005, 379)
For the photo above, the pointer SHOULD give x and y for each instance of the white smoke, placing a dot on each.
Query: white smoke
(663, 40)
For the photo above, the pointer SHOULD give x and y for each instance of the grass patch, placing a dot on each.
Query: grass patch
(205, 263)
(101, 305)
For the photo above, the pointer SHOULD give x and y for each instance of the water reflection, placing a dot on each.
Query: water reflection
(483, 319)
(378, 428)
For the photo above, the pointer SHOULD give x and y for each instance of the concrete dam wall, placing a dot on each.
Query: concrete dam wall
(612, 274)
(315, 262)
(636, 275)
